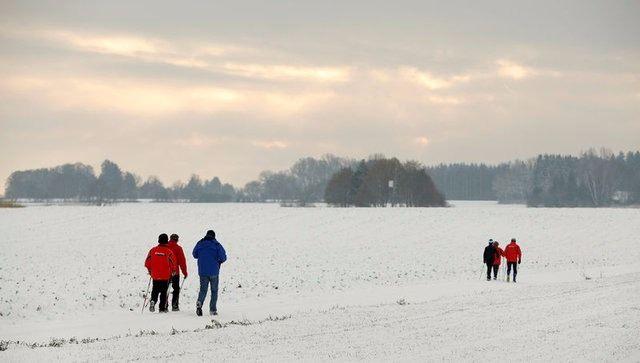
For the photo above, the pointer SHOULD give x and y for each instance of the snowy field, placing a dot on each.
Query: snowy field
(323, 284)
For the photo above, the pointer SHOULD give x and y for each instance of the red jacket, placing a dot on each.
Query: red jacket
(179, 254)
(512, 252)
(161, 263)
(498, 259)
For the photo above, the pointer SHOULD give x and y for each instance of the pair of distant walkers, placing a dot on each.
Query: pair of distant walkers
(165, 262)
(493, 254)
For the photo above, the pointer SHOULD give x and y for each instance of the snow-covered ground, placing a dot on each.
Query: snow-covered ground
(323, 283)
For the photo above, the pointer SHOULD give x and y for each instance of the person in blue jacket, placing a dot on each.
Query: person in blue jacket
(210, 255)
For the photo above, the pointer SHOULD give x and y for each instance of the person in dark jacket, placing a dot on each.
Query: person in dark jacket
(488, 257)
(210, 255)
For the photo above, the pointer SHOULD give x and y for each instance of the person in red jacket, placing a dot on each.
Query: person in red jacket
(161, 264)
(182, 266)
(514, 257)
(497, 259)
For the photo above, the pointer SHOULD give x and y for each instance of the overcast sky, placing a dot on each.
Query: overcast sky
(232, 88)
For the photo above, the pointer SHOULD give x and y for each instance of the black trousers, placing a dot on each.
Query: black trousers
(175, 287)
(489, 268)
(515, 269)
(160, 288)
(495, 271)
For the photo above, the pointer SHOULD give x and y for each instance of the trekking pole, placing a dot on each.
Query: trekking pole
(146, 294)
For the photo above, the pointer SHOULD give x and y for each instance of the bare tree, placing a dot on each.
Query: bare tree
(597, 172)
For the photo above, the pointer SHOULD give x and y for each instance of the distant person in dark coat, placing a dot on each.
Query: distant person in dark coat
(488, 257)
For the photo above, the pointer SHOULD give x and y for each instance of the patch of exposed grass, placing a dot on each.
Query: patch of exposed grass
(5, 203)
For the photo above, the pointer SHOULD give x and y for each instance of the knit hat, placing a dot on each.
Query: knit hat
(163, 239)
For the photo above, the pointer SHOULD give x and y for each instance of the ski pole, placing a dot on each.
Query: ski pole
(146, 294)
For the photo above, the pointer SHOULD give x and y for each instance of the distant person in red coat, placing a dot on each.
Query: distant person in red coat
(161, 264)
(497, 259)
(182, 266)
(514, 257)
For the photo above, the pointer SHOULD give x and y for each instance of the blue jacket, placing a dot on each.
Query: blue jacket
(210, 255)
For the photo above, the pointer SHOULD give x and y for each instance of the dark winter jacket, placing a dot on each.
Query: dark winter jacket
(489, 254)
(210, 255)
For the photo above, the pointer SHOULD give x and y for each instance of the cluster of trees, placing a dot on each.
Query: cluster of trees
(305, 182)
(466, 181)
(593, 179)
(79, 182)
(513, 182)
(379, 182)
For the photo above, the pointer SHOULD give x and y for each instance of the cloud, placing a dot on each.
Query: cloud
(125, 96)
(451, 101)
(425, 79)
(139, 98)
(119, 45)
(196, 141)
(510, 69)
(275, 144)
(289, 72)
(421, 141)
(430, 81)
(212, 58)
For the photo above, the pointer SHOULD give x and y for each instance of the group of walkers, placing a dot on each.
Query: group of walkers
(493, 255)
(165, 262)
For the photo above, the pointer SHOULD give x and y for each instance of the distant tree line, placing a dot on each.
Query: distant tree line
(593, 179)
(380, 182)
(466, 181)
(304, 182)
(78, 182)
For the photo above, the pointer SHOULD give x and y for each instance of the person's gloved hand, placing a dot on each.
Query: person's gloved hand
(185, 276)
(519, 261)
